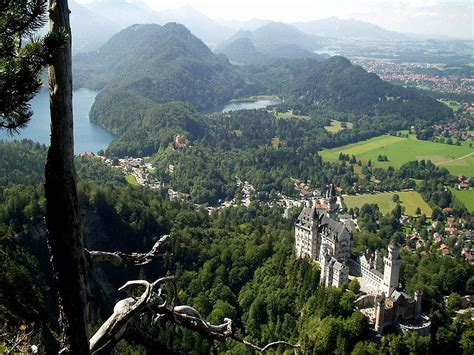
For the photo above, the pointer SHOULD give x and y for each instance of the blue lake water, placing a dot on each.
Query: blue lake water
(249, 105)
(88, 136)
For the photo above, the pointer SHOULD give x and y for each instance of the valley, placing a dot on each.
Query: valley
(305, 184)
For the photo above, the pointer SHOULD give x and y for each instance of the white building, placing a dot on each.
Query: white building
(320, 238)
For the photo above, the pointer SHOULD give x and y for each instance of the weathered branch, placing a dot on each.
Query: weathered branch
(266, 347)
(114, 327)
(160, 306)
(118, 258)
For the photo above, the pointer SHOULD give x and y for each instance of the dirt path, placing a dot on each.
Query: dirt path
(460, 158)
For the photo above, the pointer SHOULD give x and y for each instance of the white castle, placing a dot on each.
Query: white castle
(327, 241)
(320, 237)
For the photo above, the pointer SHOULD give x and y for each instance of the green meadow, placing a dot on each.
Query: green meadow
(132, 180)
(459, 160)
(465, 196)
(289, 116)
(453, 105)
(411, 200)
(336, 126)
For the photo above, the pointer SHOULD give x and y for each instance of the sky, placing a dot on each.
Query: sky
(453, 18)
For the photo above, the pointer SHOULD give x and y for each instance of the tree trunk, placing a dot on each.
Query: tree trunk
(63, 221)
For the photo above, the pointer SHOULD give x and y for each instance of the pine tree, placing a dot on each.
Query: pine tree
(63, 221)
(22, 58)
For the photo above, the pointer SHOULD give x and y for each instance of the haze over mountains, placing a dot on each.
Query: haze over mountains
(95, 22)
(348, 28)
(266, 44)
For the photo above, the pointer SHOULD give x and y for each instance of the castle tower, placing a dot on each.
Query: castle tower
(378, 260)
(391, 272)
(325, 272)
(332, 202)
(379, 312)
(418, 297)
(306, 233)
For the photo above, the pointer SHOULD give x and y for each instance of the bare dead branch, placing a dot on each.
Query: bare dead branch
(118, 258)
(114, 327)
(154, 302)
(266, 347)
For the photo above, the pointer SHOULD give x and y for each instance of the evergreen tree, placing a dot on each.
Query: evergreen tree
(22, 58)
(20, 67)
(63, 220)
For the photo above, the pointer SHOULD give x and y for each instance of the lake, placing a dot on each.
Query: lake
(249, 104)
(88, 136)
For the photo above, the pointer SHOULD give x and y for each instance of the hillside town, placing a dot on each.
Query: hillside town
(411, 74)
(449, 237)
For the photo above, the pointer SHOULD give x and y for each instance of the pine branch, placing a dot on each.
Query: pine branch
(23, 19)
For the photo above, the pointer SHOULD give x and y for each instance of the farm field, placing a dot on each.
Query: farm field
(289, 116)
(408, 199)
(132, 180)
(465, 196)
(336, 126)
(453, 105)
(459, 160)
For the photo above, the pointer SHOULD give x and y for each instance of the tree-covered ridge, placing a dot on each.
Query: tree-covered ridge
(23, 164)
(159, 124)
(146, 65)
(338, 85)
(156, 64)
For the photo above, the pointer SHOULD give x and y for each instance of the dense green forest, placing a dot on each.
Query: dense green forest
(23, 164)
(238, 263)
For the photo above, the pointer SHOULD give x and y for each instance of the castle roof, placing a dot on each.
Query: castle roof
(338, 228)
(350, 225)
(337, 265)
(306, 217)
(398, 296)
(309, 215)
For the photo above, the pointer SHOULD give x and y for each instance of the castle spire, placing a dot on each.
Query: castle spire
(391, 274)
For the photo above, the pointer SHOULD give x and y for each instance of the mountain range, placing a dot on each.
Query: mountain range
(243, 51)
(268, 43)
(349, 29)
(95, 22)
(146, 65)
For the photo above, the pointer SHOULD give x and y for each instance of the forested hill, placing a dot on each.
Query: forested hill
(336, 84)
(243, 51)
(148, 64)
